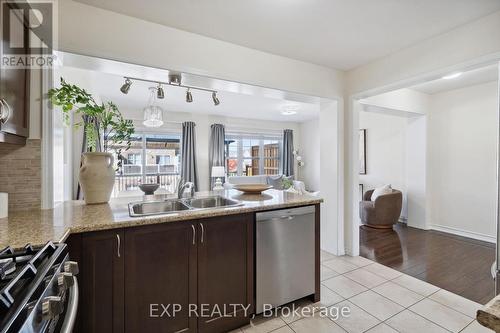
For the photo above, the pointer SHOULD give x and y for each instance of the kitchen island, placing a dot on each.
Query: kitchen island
(189, 271)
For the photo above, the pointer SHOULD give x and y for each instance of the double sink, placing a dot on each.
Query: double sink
(146, 208)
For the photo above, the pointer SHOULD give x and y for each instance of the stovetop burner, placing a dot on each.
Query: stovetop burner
(18, 268)
(9, 260)
(27, 277)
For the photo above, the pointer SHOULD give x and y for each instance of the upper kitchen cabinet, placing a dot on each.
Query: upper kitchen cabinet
(14, 96)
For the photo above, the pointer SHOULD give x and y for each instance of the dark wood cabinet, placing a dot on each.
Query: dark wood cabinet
(102, 280)
(131, 278)
(225, 271)
(160, 278)
(14, 97)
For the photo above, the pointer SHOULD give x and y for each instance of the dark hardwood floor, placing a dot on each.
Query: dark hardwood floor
(458, 264)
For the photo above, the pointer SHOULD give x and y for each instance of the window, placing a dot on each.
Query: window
(250, 155)
(151, 158)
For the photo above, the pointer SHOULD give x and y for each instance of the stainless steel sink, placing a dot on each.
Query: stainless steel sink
(212, 202)
(145, 208)
(156, 207)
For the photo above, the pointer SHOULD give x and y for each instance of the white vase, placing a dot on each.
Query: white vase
(97, 177)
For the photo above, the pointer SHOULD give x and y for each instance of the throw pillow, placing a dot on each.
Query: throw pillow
(386, 189)
(275, 181)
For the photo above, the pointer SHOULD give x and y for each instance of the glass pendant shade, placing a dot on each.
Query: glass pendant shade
(153, 114)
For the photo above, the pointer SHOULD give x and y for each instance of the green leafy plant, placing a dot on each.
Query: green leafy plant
(287, 182)
(95, 117)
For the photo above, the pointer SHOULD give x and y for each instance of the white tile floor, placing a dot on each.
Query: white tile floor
(380, 299)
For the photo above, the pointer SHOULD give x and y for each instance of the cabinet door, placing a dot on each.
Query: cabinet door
(225, 271)
(102, 282)
(160, 278)
(14, 89)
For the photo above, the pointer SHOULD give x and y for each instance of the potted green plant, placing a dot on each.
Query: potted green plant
(97, 173)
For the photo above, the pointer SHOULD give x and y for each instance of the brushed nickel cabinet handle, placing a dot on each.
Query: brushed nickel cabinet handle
(202, 232)
(118, 245)
(194, 234)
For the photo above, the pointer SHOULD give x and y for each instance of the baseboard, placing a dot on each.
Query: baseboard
(464, 233)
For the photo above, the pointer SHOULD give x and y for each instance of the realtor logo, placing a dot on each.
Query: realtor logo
(28, 34)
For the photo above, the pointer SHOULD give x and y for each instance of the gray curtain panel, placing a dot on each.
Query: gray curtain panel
(88, 120)
(287, 156)
(188, 154)
(216, 150)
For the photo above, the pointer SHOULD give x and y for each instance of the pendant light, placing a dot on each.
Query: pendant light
(153, 114)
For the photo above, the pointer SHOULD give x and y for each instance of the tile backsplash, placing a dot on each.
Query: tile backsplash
(20, 174)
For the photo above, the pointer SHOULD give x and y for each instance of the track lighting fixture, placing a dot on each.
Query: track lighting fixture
(215, 99)
(189, 96)
(175, 81)
(160, 92)
(126, 86)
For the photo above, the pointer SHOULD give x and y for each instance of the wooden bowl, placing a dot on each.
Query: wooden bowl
(252, 188)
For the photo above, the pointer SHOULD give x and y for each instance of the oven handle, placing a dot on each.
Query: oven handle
(69, 320)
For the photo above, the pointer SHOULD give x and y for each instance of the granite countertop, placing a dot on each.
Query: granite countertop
(40, 226)
(489, 315)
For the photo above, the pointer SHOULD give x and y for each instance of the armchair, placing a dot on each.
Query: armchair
(383, 212)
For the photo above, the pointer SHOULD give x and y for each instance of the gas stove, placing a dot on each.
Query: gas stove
(38, 289)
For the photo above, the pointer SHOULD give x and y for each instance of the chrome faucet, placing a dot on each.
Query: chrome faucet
(181, 188)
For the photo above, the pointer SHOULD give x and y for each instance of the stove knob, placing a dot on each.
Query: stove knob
(52, 306)
(71, 267)
(64, 281)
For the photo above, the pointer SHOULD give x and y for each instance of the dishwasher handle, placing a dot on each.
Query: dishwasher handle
(283, 214)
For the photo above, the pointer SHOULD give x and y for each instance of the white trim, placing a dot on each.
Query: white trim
(341, 249)
(47, 161)
(464, 233)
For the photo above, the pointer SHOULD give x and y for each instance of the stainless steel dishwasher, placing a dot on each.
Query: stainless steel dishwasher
(285, 256)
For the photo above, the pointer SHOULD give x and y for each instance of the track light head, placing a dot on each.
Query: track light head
(126, 86)
(189, 96)
(215, 99)
(160, 93)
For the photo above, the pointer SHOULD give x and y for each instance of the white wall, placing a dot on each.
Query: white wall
(402, 100)
(431, 58)
(310, 152)
(462, 160)
(96, 32)
(319, 145)
(329, 143)
(396, 154)
(386, 152)
(416, 172)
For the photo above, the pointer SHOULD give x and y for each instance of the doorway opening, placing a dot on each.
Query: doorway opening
(254, 118)
(434, 148)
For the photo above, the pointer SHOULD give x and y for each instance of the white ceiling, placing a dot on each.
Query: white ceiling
(239, 105)
(469, 78)
(340, 34)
